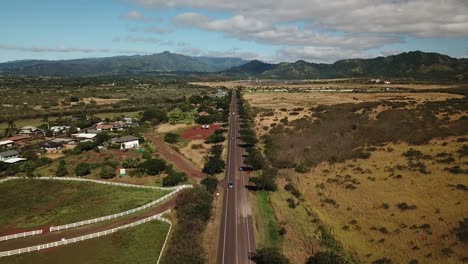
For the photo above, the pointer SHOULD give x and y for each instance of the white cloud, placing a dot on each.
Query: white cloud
(137, 16)
(249, 29)
(421, 18)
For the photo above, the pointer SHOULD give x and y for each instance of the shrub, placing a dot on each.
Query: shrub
(327, 257)
(130, 163)
(152, 166)
(173, 178)
(82, 169)
(61, 169)
(269, 256)
(171, 138)
(404, 206)
(197, 146)
(462, 231)
(107, 172)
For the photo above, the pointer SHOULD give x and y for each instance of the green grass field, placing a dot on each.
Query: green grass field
(37, 203)
(137, 245)
(266, 226)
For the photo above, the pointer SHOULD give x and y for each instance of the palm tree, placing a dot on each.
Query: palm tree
(11, 129)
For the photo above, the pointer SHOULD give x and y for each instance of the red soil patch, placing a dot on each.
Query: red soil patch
(198, 132)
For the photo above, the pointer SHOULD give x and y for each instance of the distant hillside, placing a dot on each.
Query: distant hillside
(138, 64)
(415, 64)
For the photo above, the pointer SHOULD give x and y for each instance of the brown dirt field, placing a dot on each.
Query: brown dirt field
(291, 100)
(197, 132)
(367, 230)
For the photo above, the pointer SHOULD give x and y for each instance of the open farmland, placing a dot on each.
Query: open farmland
(30, 204)
(374, 177)
(140, 244)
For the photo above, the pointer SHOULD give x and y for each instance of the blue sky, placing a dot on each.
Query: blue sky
(280, 31)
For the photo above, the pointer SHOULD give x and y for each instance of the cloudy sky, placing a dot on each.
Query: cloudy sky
(269, 30)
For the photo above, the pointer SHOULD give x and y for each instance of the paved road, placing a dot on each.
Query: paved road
(237, 234)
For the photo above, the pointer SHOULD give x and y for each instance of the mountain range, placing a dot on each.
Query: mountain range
(414, 64)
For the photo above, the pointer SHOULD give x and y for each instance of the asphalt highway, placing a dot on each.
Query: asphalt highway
(237, 234)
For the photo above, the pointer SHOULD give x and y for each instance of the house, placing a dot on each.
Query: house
(6, 144)
(127, 142)
(109, 127)
(9, 154)
(50, 146)
(128, 120)
(31, 130)
(19, 138)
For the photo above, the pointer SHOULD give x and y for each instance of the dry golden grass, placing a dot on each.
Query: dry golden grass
(197, 156)
(263, 123)
(438, 204)
(101, 101)
(276, 100)
(315, 84)
(166, 127)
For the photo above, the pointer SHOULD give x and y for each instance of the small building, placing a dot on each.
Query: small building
(6, 144)
(128, 120)
(9, 154)
(203, 113)
(14, 160)
(84, 136)
(127, 142)
(57, 130)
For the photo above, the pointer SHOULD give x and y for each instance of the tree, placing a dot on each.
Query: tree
(82, 169)
(11, 128)
(74, 99)
(61, 169)
(154, 116)
(326, 257)
(214, 165)
(171, 138)
(269, 256)
(215, 138)
(255, 159)
(152, 166)
(211, 183)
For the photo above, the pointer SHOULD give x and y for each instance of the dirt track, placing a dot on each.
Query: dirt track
(85, 230)
(179, 161)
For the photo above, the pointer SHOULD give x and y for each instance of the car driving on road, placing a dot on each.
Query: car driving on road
(230, 184)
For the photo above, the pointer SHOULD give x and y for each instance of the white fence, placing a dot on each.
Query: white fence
(94, 181)
(20, 235)
(175, 190)
(86, 237)
(131, 211)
